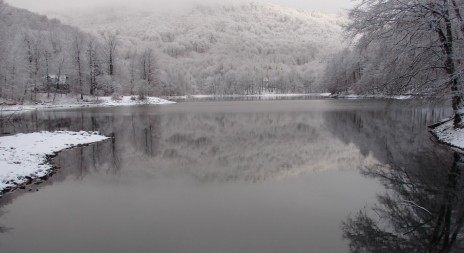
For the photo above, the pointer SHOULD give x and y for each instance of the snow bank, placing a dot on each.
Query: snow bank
(354, 96)
(263, 96)
(72, 102)
(446, 133)
(128, 100)
(23, 157)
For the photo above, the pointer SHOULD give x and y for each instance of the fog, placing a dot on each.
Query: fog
(332, 6)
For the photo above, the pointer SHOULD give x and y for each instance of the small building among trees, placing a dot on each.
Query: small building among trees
(55, 82)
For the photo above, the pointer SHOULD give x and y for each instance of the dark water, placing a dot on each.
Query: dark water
(249, 176)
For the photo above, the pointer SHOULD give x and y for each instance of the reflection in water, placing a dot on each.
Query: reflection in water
(237, 143)
(223, 146)
(423, 207)
(394, 133)
(423, 210)
(185, 177)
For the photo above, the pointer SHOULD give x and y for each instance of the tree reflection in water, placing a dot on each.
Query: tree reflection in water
(422, 210)
(226, 146)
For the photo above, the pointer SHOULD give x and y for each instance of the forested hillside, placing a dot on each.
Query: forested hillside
(208, 49)
(224, 49)
(411, 47)
(33, 51)
(43, 56)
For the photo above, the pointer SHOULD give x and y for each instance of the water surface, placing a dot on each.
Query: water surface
(214, 176)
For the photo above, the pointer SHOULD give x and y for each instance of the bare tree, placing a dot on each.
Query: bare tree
(52, 50)
(148, 71)
(78, 62)
(110, 47)
(94, 66)
(47, 81)
(423, 211)
(34, 55)
(425, 38)
(132, 71)
(57, 84)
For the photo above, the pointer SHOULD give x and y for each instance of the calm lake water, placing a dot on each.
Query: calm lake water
(230, 176)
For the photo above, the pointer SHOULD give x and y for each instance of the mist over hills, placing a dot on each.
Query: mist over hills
(223, 49)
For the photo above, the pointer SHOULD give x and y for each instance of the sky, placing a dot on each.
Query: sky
(327, 6)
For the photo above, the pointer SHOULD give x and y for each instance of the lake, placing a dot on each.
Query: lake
(217, 176)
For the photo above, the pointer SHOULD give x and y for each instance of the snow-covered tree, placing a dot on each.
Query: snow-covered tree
(148, 72)
(110, 47)
(78, 63)
(94, 65)
(414, 46)
(253, 42)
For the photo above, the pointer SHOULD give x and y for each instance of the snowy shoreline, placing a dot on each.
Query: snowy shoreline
(25, 157)
(263, 95)
(446, 133)
(67, 102)
(353, 96)
(293, 95)
(72, 102)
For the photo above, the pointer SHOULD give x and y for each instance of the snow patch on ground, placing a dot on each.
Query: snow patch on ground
(128, 100)
(262, 95)
(24, 156)
(354, 96)
(65, 101)
(446, 133)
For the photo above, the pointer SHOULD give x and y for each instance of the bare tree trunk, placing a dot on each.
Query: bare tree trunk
(92, 63)
(448, 45)
(59, 76)
(78, 63)
(47, 77)
(4, 85)
(111, 43)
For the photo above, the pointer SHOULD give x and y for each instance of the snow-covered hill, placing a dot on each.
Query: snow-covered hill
(226, 48)
(32, 48)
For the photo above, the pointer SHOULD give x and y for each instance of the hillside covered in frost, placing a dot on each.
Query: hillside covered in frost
(223, 49)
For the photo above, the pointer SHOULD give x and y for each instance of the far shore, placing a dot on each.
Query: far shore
(8, 108)
(69, 102)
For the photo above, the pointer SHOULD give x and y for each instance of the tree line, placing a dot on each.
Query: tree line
(40, 55)
(247, 48)
(403, 47)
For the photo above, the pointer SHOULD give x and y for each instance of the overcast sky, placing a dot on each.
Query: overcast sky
(328, 6)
